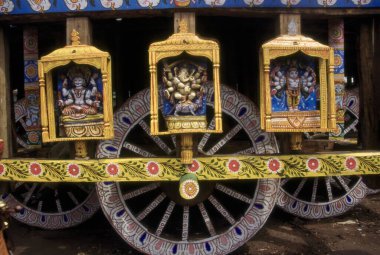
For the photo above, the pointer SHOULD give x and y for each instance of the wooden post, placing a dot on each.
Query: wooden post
(285, 19)
(83, 26)
(369, 89)
(285, 140)
(190, 19)
(5, 97)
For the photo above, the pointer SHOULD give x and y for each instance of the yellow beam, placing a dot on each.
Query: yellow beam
(207, 168)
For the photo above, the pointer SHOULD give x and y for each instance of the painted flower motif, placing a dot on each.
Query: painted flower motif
(112, 169)
(189, 189)
(351, 163)
(73, 170)
(6, 6)
(35, 168)
(313, 164)
(194, 167)
(3, 168)
(40, 5)
(233, 165)
(153, 168)
(253, 2)
(274, 165)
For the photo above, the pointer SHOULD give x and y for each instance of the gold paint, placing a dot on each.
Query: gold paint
(175, 45)
(211, 168)
(79, 54)
(296, 141)
(187, 149)
(81, 150)
(75, 39)
(323, 120)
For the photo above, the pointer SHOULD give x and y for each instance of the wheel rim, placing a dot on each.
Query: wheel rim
(145, 217)
(316, 198)
(53, 206)
(46, 205)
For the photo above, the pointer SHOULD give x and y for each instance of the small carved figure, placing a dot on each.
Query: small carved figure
(79, 101)
(33, 111)
(184, 88)
(308, 80)
(293, 88)
(278, 87)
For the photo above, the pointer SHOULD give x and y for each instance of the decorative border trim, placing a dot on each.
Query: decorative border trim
(50, 6)
(210, 168)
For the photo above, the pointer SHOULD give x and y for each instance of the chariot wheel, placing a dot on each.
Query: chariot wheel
(316, 198)
(52, 205)
(152, 218)
(49, 205)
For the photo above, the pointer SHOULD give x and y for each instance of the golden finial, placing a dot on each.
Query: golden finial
(75, 39)
(183, 26)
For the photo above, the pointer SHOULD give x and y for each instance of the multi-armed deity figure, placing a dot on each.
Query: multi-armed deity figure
(184, 88)
(293, 83)
(278, 82)
(83, 97)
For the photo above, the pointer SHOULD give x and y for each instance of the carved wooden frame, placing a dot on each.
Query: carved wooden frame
(174, 46)
(323, 120)
(78, 54)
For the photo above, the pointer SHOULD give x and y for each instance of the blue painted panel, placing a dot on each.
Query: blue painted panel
(58, 6)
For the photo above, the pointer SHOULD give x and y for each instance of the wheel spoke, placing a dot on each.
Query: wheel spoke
(185, 223)
(343, 183)
(248, 151)
(151, 207)
(73, 198)
(138, 150)
(315, 186)
(174, 140)
(140, 191)
(206, 136)
(30, 193)
(233, 193)
(206, 219)
(59, 205)
(224, 140)
(218, 206)
(165, 218)
(18, 185)
(328, 188)
(284, 181)
(39, 207)
(156, 139)
(299, 188)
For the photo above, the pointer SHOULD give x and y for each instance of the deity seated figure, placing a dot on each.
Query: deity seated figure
(79, 101)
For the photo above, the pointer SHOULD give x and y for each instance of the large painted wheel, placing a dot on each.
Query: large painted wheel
(49, 205)
(153, 218)
(316, 198)
(52, 205)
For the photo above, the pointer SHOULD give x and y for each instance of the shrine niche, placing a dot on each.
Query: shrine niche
(179, 69)
(297, 85)
(75, 86)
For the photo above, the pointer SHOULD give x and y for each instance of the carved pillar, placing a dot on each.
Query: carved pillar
(31, 88)
(5, 96)
(336, 40)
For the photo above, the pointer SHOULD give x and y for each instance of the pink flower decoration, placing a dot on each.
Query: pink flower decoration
(274, 165)
(351, 163)
(153, 168)
(73, 170)
(2, 169)
(112, 169)
(194, 166)
(313, 165)
(35, 169)
(233, 165)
